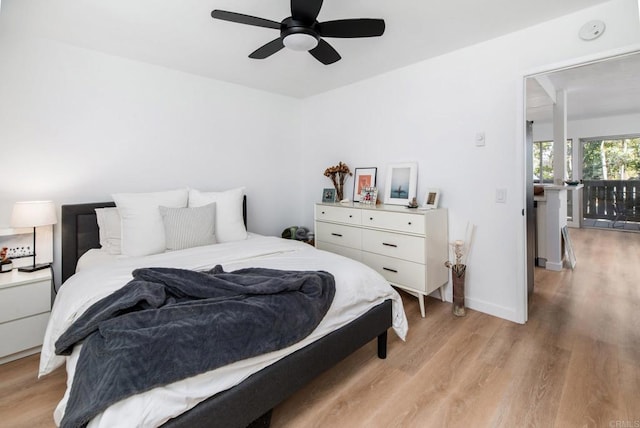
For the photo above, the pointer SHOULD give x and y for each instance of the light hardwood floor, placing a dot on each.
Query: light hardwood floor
(576, 363)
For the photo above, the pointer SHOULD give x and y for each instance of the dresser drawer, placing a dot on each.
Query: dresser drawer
(22, 334)
(339, 234)
(394, 245)
(25, 300)
(351, 253)
(401, 222)
(396, 271)
(338, 214)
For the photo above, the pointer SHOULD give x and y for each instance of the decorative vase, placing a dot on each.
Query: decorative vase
(339, 192)
(457, 276)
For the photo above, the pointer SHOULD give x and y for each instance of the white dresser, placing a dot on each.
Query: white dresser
(25, 304)
(407, 246)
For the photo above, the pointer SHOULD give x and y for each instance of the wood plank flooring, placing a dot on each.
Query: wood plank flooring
(576, 363)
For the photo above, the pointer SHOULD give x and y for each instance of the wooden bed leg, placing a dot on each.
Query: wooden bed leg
(382, 345)
(263, 421)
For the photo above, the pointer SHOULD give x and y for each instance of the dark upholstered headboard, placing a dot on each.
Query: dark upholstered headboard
(80, 232)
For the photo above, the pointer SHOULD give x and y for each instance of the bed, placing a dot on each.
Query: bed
(249, 401)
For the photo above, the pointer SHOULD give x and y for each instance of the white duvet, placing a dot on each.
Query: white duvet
(358, 289)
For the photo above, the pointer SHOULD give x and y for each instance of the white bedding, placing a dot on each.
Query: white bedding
(358, 289)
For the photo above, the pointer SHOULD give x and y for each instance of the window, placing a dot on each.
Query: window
(543, 161)
(611, 158)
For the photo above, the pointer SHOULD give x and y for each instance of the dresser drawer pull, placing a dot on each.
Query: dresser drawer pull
(390, 270)
(350, 216)
(409, 223)
(371, 218)
(390, 245)
(337, 234)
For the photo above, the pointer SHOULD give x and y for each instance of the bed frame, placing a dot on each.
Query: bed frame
(248, 404)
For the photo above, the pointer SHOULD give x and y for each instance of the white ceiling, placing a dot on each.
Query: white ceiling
(605, 88)
(181, 35)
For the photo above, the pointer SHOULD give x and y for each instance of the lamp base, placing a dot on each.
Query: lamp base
(33, 268)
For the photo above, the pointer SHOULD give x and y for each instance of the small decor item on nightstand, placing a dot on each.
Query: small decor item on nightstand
(298, 233)
(369, 196)
(5, 263)
(338, 174)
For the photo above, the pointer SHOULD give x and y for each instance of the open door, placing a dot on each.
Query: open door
(530, 209)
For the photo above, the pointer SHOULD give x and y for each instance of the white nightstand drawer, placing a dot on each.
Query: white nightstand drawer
(338, 234)
(400, 272)
(338, 214)
(22, 334)
(25, 300)
(400, 222)
(394, 245)
(351, 253)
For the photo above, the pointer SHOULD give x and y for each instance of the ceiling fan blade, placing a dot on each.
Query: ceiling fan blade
(325, 53)
(268, 49)
(348, 28)
(305, 10)
(244, 19)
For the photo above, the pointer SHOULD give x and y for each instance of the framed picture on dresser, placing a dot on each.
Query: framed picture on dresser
(369, 196)
(402, 180)
(364, 177)
(329, 195)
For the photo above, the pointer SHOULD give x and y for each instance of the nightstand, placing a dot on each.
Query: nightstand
(25, 304)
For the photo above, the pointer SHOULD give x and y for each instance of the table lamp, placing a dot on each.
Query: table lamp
(33, 214)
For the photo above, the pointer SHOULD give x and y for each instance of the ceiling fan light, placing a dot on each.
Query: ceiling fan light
(300, 42)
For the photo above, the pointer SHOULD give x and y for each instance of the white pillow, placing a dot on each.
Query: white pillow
(109, 228)
(142, 227)
(189, 227)
(229, 219)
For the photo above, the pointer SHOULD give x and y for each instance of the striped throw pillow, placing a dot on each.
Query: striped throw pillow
(189, 227)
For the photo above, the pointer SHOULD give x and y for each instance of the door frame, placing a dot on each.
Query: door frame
(522, 313)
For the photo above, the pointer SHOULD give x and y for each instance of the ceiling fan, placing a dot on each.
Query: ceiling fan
(302, 32)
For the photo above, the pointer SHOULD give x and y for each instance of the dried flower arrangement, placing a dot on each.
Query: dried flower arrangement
(338, 174)
(460, 251)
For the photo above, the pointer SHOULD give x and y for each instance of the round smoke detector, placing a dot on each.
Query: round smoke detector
(591, 30)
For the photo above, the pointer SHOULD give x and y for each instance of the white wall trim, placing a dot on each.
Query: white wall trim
(492, 309)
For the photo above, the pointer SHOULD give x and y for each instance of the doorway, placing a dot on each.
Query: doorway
(601, 100)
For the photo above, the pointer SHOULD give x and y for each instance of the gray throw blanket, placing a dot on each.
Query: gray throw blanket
(169, 324)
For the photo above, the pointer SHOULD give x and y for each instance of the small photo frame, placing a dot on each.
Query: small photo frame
(402, 180)
(369, 196)
(364, 177)
(431, 199)
(329, 195)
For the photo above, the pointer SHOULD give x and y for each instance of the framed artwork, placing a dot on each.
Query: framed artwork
(329, 195)
(431, 199)
(364, 177)
(402, 180)
(369, 196)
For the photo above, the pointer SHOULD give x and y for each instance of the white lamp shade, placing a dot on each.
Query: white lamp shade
(33, 214)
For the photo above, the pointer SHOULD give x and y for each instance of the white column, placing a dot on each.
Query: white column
(560, 137)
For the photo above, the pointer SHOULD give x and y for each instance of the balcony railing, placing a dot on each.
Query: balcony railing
(616, 200)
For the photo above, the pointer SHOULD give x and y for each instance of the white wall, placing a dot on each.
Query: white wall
(77, 126)
(430, 113)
